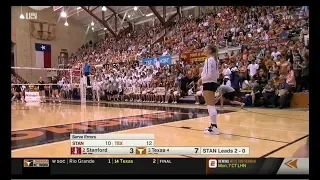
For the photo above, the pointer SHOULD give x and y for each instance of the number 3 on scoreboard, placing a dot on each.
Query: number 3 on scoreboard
(131, 150)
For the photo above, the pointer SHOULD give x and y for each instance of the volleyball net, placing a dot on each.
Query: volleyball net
(67, 80)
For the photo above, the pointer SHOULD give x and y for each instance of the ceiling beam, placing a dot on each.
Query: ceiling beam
(109, 18)
(168, 13)
(115, 23)
(104, 23)
(94, 8)
(155, 12)
(112, 10)
(119, 15)
(103, 17)
(75, 11)
(170, 18)
(96, 21)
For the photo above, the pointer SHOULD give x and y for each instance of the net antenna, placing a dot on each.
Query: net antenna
(67, 73)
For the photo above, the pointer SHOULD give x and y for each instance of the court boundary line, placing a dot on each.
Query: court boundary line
(201, 106)
(245, 109)
(249, 137)
(93, 103)
(240, 125)
(284, 146)
(90, 121)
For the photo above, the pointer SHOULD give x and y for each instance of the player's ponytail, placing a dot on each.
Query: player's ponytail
(213, 50)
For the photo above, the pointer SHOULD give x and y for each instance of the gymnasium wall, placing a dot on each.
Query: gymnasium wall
(93, 36)
(70, 38)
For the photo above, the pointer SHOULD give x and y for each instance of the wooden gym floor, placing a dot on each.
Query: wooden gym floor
(43, 131)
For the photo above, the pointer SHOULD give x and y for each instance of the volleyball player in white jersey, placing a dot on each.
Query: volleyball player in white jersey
(209, 76)
(95, 89)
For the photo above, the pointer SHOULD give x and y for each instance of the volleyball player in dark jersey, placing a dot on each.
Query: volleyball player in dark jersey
(18, 91)
(55, 90)
(41, 90)
(46, 92)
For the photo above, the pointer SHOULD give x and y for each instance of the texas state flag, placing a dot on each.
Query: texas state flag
(43, 55)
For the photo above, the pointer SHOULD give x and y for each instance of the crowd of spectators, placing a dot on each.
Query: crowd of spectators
(272, 64)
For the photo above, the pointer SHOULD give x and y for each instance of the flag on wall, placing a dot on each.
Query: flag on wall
(43, 55)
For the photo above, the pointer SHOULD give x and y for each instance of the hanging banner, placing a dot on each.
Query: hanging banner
(197, 56)
(267, 44)
(152, 61)
(55, 8)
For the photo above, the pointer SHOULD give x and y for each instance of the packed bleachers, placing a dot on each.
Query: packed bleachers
(274, 53)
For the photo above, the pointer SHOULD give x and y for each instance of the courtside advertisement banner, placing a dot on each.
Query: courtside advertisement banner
(32, 97)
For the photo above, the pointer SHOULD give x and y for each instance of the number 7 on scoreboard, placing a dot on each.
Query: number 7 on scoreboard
(197, 150)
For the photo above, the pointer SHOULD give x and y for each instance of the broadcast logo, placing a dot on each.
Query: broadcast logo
(213, 163)
(36, 163)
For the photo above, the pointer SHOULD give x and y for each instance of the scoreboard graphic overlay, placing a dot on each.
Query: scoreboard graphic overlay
(200, 166)
(139, 144)
(143, 144)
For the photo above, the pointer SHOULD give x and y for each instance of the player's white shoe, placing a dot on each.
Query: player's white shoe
(212, 130)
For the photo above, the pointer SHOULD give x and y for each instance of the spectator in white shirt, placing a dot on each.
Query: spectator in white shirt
(253, 68)
(157, 63)
(226, 70)
(226, 81)
(275, 53)
(165, 52)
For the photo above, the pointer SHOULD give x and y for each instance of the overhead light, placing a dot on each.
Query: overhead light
(104, 8)
(66, 23)
(135, 8)
(92, 23)
(78, 8)
(92, 28)
(21, 16)
(150, 14)
(105, 29)
(129, 16)
(63, 14)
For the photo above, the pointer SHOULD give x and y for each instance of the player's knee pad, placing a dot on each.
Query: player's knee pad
(199, 93)
(212, 110)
